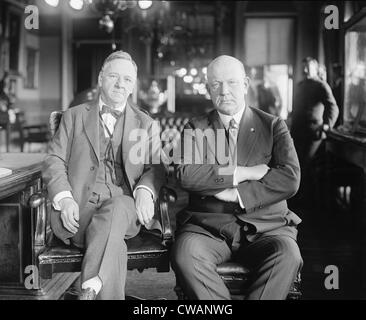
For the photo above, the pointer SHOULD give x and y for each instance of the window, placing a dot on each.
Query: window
(268, 56)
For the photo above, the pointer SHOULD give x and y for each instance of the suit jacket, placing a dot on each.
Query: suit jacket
(73, 157)
(262, 139)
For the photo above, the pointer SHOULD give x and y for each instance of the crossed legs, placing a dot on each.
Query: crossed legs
(105, 259)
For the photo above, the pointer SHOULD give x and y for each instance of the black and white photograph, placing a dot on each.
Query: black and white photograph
(195, 152)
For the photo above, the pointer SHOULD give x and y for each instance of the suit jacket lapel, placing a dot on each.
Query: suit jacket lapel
(91, 125)
(132, 122)
(248, 135)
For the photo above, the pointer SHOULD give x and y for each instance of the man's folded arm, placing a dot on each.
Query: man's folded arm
(282, 181)
(203, 179)
(197, 170)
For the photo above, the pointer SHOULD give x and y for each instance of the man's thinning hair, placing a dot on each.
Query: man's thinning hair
(228, 58)
(119, 55)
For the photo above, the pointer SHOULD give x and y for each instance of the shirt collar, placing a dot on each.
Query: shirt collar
(119, 108)
(226, 119)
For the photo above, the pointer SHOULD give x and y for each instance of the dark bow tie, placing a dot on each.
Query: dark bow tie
(111, 111)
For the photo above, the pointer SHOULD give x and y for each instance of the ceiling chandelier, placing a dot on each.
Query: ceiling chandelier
(112, 8)
(109, 9)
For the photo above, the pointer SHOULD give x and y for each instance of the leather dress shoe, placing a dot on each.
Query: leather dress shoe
(87, 294)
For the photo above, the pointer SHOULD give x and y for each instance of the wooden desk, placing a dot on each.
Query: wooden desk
(19, 242)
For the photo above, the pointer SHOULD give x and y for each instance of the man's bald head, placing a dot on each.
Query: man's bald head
(228, 84)
(225, 60)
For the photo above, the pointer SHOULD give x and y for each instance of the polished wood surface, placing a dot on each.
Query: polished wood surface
(25, 166)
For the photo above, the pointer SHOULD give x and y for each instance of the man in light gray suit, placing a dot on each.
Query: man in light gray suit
(238, 211)
(100, 194)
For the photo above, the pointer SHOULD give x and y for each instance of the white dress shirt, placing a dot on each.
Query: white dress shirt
(108, 120)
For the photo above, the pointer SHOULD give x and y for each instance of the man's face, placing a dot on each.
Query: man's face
(117, 81)
(228, 85)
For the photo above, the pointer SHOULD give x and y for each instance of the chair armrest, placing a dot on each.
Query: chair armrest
(38, 201)
(166, 195)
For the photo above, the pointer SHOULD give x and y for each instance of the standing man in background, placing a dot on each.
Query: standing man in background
(315, 112)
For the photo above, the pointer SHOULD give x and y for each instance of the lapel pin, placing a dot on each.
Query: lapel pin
(252, 130)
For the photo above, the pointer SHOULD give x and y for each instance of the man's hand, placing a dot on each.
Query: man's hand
(252, 173)
(144, 206)
(228, 195)
(69, 214)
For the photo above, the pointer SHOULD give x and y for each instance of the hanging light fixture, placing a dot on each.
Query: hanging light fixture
(76, 4)
(144, 5)
(52, 3)
(109, 9)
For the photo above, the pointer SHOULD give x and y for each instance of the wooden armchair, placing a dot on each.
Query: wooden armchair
(149, 249)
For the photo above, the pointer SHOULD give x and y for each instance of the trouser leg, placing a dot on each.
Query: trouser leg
(275, 261)
(194, 260)
(106, 251)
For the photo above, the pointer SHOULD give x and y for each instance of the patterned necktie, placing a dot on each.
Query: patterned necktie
(108, 110)
(233, 138)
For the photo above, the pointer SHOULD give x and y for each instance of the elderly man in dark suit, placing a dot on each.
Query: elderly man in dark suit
(100, 191)
(237, 208)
